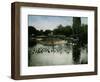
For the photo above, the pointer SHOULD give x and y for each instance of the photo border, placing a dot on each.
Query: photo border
(15, 40)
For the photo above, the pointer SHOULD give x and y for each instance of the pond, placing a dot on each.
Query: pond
(60, 54)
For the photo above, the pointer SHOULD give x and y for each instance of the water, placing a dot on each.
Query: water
(61, 54)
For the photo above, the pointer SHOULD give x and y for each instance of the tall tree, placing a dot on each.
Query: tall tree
(76, 40)
(76, 25)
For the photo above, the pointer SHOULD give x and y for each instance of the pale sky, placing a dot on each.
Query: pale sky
(51, 22)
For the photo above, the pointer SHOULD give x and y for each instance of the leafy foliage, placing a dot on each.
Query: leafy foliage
(61, 30)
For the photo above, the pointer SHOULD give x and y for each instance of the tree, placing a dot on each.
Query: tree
(40, 32)
(58, 30)
(63, 30)
(67, 31)
(32, 31)
(84, 35)
(46, 32)
(76, 40)
(76, 25)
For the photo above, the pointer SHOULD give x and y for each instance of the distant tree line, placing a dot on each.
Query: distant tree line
(60, 30)
(78, 30)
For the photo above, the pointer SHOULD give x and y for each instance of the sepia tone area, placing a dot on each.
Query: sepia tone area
(57, 40)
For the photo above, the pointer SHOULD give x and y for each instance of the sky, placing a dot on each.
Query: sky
(51, 22)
